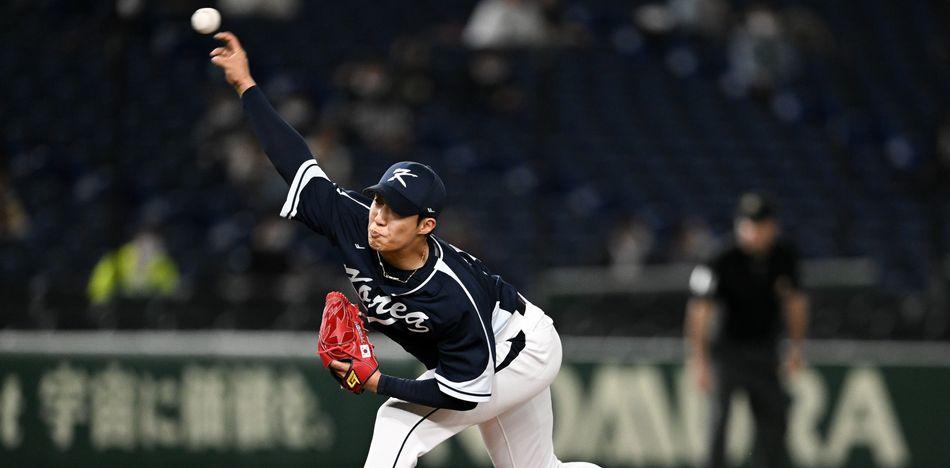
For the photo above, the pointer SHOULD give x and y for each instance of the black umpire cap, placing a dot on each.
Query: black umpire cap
(756, 207)
(411, 188)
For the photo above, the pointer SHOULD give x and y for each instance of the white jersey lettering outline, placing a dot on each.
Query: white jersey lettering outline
(396, 310)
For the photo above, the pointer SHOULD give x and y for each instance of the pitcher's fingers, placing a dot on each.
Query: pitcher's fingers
(217, 51)
(230, 40)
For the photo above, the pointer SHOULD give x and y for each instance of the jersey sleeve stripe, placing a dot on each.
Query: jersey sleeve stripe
(454, 386)
(305, 173)
(343, 192)
(473, 397)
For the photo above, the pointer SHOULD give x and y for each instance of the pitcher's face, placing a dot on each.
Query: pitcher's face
(388, 231)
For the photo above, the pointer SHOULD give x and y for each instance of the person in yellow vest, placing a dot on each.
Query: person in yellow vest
(139, 269)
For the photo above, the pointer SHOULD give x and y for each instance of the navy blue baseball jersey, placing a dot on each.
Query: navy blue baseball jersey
(446, 315)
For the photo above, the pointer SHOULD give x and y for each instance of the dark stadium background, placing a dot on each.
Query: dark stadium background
(592, 168)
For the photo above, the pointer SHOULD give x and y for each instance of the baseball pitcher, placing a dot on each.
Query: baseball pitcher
(491, 355)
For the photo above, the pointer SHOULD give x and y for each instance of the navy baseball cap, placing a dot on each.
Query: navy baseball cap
(411, 188)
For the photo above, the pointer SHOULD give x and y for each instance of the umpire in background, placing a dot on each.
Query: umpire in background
(741, 302)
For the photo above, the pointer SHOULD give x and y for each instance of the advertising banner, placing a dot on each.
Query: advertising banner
(181, 408)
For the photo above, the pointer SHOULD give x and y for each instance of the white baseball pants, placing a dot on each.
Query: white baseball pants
(516, 424)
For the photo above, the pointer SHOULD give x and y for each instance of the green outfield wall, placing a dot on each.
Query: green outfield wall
(263, 400)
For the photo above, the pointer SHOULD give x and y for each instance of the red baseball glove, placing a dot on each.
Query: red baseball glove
(343, 337)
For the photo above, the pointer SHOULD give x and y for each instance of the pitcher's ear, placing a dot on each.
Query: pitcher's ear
(426, 225)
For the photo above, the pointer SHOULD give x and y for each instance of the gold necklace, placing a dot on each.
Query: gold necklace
(394, 278)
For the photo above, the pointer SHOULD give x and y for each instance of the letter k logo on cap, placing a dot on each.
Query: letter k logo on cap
(425, 196)
(399, 173)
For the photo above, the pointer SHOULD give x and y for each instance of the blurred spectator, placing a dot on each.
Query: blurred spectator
(694, 241)
(249, 171)
(761, 54)
(411, 60)
(506, 23)
(223, 115)
(335, 157)
(372, 113)
(276, 9)
(630, 244)
(297, 109)
(703, 17)
(809, 31)
(382, 125)
(139, 269)
(654, 19)
(243, 159)
(14, 222)
(491, 83)
(270, 243)
(565, 27)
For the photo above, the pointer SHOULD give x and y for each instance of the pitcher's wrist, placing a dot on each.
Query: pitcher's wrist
(244, 85)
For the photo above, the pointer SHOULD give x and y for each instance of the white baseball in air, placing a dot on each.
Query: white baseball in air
(206, 20)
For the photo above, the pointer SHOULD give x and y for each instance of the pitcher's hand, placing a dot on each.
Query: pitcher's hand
(340, 368)
(233, 60)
